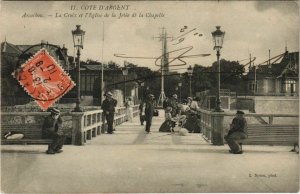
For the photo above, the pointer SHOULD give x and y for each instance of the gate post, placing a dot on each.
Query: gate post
(217, 129)
(78, 125)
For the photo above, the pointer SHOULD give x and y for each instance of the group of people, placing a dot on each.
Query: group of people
(184, 115)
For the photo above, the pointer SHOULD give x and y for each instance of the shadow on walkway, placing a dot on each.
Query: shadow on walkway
(23, 151)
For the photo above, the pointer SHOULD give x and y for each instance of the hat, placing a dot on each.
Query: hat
(190, 98)
(240, 112)
(54, 110)
(169, 109)
(108, 94)
(174, 96)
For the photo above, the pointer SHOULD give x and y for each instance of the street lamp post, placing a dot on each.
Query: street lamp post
(78, 37)
(190, 73)
(142, 88)
(147, 91)
(218, 37)
(179, 85)
(125, 73)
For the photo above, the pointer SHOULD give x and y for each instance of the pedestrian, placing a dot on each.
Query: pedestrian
(174, 104)
(108, 107)
(149, 109)
(169, 124)
(238, 131)
(193, 121)
(192, 104)
(165, 103)
(52, 129)
(129, 109)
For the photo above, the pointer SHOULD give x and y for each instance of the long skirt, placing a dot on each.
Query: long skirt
(192, 124)
(167, 126)
(130, 114)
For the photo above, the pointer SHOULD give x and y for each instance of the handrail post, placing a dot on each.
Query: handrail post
(217, 129)
(270, 120)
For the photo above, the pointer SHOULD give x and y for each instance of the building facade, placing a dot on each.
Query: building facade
(278, 79)
(12, 56)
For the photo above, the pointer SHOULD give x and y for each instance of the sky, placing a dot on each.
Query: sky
(250, 27)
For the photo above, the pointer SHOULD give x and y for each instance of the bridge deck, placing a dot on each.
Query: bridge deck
(131, 161)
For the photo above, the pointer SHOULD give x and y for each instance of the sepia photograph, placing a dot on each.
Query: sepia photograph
(149, 96)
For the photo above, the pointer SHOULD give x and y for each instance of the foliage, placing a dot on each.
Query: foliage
(203, 78)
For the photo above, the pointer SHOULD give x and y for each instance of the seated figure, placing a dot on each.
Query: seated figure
(52, 129)
(238, 131)
(170, 121)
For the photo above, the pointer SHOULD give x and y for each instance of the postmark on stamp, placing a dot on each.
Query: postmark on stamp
(43, 79)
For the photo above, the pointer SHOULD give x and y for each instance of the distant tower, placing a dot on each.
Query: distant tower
(165, 54)
(164, 64)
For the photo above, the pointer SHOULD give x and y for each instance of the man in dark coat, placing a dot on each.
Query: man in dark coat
(238, 131)
(149, 109)
(108, 107)
(52, 129)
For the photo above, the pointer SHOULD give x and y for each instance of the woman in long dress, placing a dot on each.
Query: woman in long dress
(193, 122)
(169, 123)
(129, 108)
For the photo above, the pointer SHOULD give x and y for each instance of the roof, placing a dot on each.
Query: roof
(276, 70)
(97, 67)
(10, 48)
(11, 53)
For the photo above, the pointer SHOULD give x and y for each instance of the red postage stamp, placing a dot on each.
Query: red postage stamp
(44, 79)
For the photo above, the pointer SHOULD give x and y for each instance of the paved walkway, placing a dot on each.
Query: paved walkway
(131, 161)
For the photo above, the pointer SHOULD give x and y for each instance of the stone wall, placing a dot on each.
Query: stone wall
(277, 104)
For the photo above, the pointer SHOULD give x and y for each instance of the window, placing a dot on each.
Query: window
(289, 86)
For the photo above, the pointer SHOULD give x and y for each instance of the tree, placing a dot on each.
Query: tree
(231, 74)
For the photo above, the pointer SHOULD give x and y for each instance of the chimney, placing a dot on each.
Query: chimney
(43, 43)
(64, 50)
(4, 46)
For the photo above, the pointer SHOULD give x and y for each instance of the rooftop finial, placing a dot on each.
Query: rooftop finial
(285, 46)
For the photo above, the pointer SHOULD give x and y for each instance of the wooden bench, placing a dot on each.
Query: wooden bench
(32, 134)
(265, 134)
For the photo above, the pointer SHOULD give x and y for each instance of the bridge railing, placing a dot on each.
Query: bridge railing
(78, 126)
(92, 123)
(216, 124)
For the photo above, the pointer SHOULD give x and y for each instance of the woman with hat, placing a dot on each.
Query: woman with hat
(174, 104)
(169, 123)
(52, 129)
(238, 131)
(129, 109)
(193, 122)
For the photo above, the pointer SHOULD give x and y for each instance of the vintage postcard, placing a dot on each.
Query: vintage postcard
(149, 96)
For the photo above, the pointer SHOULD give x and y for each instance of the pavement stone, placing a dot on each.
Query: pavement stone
(131, 161)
